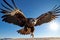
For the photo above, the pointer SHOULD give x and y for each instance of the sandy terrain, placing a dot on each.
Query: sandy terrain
(32, 39)
(39, 39)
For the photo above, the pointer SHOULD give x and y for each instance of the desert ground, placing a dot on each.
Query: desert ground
(31, 39)
(39, 39)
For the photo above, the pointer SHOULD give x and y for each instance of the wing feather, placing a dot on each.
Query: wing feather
(48, 17)
(13, 20)
(6, 7)
(14, 16)
(8, 4)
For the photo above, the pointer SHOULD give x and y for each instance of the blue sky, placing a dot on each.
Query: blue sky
(31, 8)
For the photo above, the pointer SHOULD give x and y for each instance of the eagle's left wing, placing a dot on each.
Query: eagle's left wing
(13, 15)
(49, 16)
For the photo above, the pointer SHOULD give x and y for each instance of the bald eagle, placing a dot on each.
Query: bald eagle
(17, 17)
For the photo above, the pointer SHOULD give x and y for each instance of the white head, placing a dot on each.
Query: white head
(34, 21)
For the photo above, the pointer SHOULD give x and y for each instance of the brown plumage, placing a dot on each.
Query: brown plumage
(17, 17)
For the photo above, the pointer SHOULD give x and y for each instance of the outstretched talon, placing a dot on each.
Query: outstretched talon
(32, 35)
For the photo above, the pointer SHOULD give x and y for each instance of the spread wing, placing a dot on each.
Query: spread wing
(12, 14)
(49, 16)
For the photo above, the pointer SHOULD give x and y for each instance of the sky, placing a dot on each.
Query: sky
(32, 9)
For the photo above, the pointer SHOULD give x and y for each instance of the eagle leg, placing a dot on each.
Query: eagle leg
(32, 35)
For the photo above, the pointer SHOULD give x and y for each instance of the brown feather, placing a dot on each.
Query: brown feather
(45, 18)
(28, 31)
(22, 31)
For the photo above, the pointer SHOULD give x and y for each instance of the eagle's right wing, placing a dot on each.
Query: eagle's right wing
(49, 16)
(14, 16)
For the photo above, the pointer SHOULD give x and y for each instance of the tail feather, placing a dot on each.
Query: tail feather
(22, 31)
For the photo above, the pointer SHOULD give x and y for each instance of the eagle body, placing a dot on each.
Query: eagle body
(17, 17)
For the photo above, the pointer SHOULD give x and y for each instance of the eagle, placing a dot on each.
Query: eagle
(13, 15)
